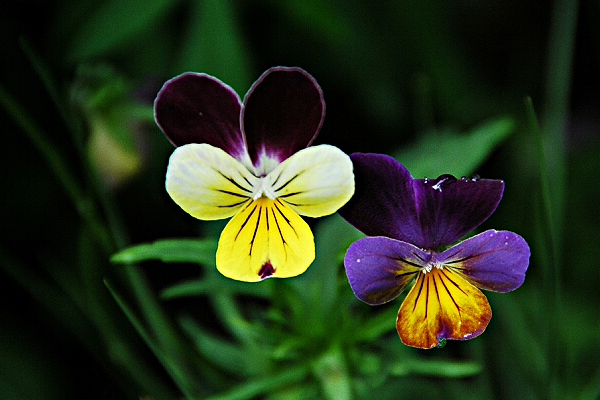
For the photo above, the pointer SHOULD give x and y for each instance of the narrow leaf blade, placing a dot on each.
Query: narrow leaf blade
(171, 251)
(449, 152)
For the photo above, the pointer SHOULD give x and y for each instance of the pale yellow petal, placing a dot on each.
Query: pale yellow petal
(315, 181)
(207, 182)
(266, 238)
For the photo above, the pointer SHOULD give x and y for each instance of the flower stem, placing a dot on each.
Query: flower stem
(84, 205)
(562, 33)
(332, 371)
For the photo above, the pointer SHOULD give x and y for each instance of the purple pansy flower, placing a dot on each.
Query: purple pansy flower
(250, 160)
(411, 223)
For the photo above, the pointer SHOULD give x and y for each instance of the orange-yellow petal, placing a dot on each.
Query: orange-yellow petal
(265, 239)
(442, 305)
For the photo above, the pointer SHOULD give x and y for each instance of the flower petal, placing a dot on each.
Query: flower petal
(265, 239)
(383, 203)
(315, 181)
(442, 305)
(207, 182)
(450, 208)
(492, 260)
(283, 112)
(199, 108)
(429, 213)
(379, 268)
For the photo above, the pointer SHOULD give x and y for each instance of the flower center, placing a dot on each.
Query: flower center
(263, 189)
(265, 164)
(431, 265)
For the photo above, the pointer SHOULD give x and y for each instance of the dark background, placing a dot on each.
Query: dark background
(392, 72)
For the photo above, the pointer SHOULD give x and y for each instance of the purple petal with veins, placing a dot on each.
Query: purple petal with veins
(449, 208)
(283, 112)
(429, 213)
(379, 268)
(383, 202)
(199, 108)
(492, 260)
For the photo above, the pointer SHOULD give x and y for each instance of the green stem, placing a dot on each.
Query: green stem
(547, 243)
(45, 76)
(263, 385)
(83, 203)
(563, 27)
(592, 389)
(110, 236)
(176, 371)
(556, 110)
(331, 370)
(230, 315)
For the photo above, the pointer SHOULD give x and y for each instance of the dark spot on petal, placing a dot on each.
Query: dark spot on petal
(266, 270)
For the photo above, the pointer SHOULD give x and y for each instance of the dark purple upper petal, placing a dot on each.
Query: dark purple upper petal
(379, 268)
(383, 202)
(450, 208)
(283, 112)
(492, 260)
(429, 213)
(199, 108)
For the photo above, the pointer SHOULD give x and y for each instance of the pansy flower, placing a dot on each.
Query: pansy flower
(249, 160)
(412, 225)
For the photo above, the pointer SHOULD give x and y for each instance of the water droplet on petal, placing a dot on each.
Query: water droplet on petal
(443, 180)
(475, 178)
(358, 260)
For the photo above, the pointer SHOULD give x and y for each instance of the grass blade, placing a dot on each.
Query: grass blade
(170, 250)
(456, 154)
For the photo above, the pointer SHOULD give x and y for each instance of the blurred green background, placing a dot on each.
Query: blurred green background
(503, 89)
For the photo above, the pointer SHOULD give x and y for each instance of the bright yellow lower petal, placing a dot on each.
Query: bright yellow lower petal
(442, 305)
(315, 181)
(266, 238)
(207, 182)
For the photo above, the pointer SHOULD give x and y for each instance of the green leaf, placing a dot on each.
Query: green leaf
(198, 251)
(216, 283)
(379, 323)
(439, 368)
(592, 389)
(342, 32)
(264, 385)
(331, 370)
(319, 284)
(176, 370)
(59, 166)
(448, 152)
(333, 235)
(224, 354)
(114, 23)
(48, 80)
(214, 44)
(233, 319)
